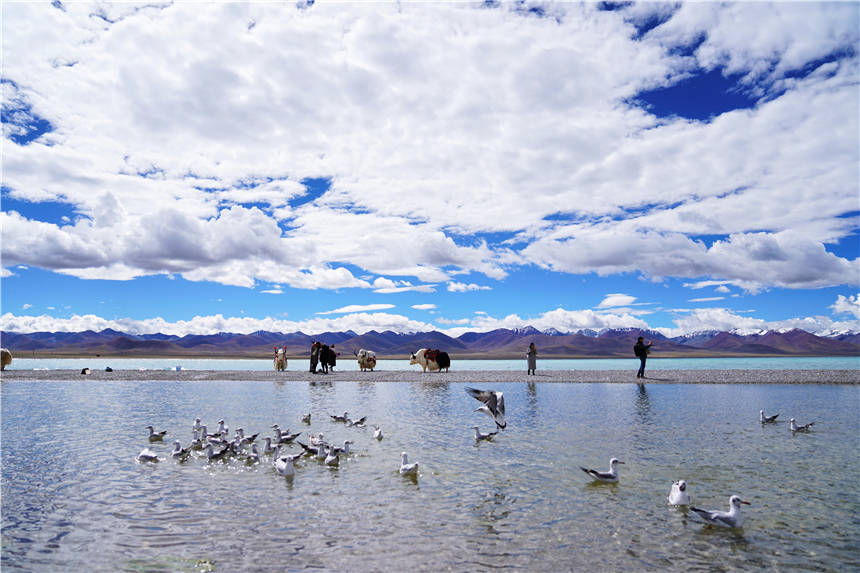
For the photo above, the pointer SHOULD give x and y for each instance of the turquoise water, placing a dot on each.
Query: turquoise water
(350, 365)
(74, 499)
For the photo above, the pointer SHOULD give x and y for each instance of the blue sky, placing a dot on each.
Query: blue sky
(240, 167)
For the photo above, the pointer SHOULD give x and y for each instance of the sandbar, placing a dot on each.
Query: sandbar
(469, 376)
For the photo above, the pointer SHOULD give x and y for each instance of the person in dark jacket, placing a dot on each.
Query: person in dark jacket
(315, 356)
(531, 355)
(641, 350)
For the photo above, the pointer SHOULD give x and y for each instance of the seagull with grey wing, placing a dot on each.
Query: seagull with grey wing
(730, 518)
(766, 419)
(493, 404)
(606, 477)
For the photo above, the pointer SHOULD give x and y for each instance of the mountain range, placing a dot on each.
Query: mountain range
(500, 343)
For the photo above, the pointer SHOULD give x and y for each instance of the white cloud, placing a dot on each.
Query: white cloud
(454, 286)
(703, 319)
(428, 306)
(707, 299)
(26, 306)
(432, 122)
(359, 322)
(358, 308)
(616, 299)
(273, 291)
(847, 305)
(5, 273)
(723, 289)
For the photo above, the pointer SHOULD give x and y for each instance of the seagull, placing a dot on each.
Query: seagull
(795, 428)
(359, 422)
(494, 404)
(606, 477)
(197, 425)
(332, 458)
(307, 418)
(284, 437)
(407, 469)
(766, 419)
(344, 450)
(156, 436)
(678, 495)
(146, 455)
(730, 518)
(222, 429)
(240, 433)
(337, 418)
(306, 449)
(321, 452)
(254, 456)
(179, 451)
(211, 454)
(479, 435)
(268, 449)
(317, 440)
(377, 432)
(284, 465)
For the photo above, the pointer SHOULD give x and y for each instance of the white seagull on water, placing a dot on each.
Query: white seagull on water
(146, 455)
(766, 419)
(156, 436)
(493, 404)
(606, 477)
(678, 494)
(407, 469)
(795, 428)
(730, 518)
(479, 435)
(377, 432)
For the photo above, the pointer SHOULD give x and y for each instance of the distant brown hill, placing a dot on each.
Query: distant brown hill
(500, 343)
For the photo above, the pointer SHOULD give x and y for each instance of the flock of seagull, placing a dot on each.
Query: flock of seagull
(492, 404)
(245, 447)
(678, 495)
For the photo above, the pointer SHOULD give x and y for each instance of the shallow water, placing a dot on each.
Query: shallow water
(74, 499)
(348, 364)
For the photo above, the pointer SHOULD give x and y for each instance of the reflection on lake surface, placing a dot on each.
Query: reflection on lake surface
(74, 499)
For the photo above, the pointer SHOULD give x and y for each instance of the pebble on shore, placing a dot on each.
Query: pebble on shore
(468, 376)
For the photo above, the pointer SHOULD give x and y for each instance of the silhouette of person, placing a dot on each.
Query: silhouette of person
(315, 356)
(532, 358)
(641, 350)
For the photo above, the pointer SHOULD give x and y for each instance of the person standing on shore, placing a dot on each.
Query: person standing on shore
(532, 358)
(641, 350)
(315, 355)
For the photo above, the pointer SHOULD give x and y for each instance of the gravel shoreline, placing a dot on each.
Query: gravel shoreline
(470, 376)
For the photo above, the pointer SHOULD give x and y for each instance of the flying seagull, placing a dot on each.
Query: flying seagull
(493, 404)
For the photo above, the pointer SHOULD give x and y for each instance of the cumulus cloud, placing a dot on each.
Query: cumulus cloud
(847, 305)
(359, 322)
(431, 124)
(723, 319)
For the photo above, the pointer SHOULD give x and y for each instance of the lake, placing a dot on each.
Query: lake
(75, 499)
(349, 364)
